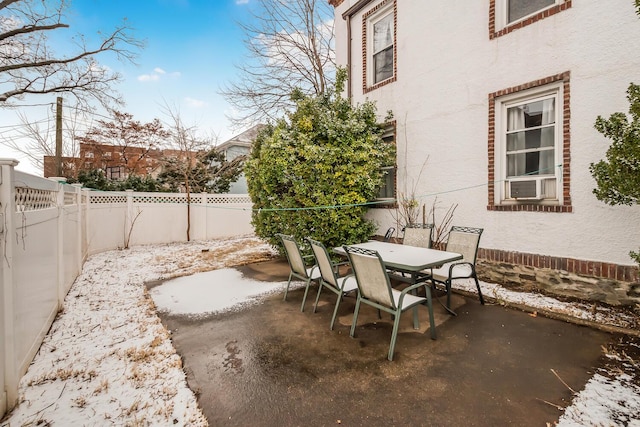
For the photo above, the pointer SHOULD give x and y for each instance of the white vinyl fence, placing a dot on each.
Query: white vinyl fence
(48, 228)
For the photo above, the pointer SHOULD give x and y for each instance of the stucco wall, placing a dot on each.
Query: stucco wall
(447, 65)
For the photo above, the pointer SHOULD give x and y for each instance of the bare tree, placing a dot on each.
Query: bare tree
(290, 46)
(184, 163)
(29, 65)
(133, 139)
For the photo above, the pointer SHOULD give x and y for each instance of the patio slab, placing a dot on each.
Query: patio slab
(273, 365)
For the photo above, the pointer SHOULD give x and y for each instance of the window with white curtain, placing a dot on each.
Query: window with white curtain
(530, 137)
(529, 146)
(379, 45)
(382, 49)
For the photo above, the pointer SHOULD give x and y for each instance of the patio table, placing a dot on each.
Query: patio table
(409, 261)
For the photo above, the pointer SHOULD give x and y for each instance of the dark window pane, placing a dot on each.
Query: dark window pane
(383, 65)
(387, 190)
(521, 8)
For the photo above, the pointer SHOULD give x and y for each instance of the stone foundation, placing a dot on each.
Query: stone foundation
(560, 282)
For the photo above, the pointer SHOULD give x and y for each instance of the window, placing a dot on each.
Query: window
(529, 146)
(518, 9)
(383, 48)
(115, 173)
(530, 136)
(387, 191)
(379, 45)
(508, 15)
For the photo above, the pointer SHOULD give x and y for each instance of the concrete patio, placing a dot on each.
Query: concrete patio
(273, 365)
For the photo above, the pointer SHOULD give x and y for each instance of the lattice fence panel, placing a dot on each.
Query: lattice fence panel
(227, 200)
(31, 199)
(69, 198)
(101, 198)
(160, 198)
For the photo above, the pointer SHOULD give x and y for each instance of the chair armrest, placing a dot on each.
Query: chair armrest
(470, 264)
(412, 288)
(455, 264)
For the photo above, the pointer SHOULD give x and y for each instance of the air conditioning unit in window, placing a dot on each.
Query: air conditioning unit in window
(526, 189)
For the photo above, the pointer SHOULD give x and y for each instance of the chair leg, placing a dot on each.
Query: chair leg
(335, 312)
(394, 336)
(448, 287)
(432, 322)
(416, 319)
(315, 306)
(479, 291)
(286, 290)
(306, 291)
(355, 318)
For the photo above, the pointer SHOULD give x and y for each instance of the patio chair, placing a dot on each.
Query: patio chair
(330, 277)
(389, 234)
(374, 289)
(465, 241)
(299, 264)
(417, 235)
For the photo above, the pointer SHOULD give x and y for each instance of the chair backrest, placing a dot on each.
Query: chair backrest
(417, 235)
(389, 234)
(294, 255)
(371, 275)
(324, 262)
(465, 241)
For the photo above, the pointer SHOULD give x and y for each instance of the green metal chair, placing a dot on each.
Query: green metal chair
(465, 241)
(374, 289)
(330, 277)
(299, 265)
(417, 235)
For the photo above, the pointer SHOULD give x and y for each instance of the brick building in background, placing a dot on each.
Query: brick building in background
(116, 161)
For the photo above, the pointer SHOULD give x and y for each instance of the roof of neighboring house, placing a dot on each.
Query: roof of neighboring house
(245, 139)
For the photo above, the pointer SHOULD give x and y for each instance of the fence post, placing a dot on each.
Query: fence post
(79, 230)
(60, 247)
(87, 222)
(8, 369)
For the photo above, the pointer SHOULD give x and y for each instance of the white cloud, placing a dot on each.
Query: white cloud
(148, 77)
(157, 74)
(195, 103)
(242, 1)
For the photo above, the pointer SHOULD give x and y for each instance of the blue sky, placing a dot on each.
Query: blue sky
(190, 50)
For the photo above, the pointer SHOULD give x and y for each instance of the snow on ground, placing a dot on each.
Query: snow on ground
(107, 359)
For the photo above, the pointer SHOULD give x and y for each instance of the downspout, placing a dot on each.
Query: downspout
(349, 95)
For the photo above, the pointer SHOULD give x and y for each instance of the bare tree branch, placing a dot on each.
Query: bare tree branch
(28, 65)
(36, 139)
(290, 46)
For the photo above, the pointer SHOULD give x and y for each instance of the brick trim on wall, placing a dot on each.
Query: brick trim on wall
(335, 3)
(566, 147)
(603, 270)
(530, 20)
(365, 88)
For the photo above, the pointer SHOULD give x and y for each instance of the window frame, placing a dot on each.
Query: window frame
(555, 86)
(369, 19)
(498, 16)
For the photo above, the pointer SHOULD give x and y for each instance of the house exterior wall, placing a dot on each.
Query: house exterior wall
(450, 61)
